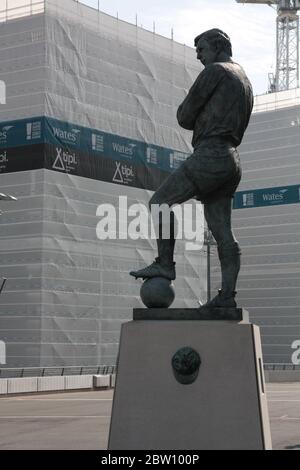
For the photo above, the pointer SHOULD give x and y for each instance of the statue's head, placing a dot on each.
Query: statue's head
(210, 44)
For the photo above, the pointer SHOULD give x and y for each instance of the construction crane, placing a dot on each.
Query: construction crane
(287, 44)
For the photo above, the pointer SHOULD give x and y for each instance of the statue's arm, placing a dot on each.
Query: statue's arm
(199, 94)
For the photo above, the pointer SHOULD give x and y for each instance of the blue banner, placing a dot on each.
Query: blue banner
(267, 197)
(22, 132)
(91, 142)
(43, 142)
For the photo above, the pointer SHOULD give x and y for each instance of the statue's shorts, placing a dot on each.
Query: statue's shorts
(213, 171)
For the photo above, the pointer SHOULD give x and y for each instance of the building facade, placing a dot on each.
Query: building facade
(267, 224)
(90, 117)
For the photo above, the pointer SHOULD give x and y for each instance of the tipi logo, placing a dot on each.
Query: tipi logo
(3, 160)
(124, 174)
(58, 164)
(64, 161)
(2, 92)
(118, 178)
(3, 157)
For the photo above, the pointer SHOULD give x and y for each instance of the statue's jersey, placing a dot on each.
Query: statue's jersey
(219, 103)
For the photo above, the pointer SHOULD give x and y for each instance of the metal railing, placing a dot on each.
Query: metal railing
(6, 373)
(94, 370)
(282, 366)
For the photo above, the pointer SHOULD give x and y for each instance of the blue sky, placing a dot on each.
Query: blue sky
(252, 28)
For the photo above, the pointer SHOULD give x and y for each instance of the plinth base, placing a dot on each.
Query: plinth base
(205, 313)
(224, 408)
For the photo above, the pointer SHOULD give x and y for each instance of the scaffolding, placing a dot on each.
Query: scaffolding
(106, 93)
(287, 43)
(12, 9)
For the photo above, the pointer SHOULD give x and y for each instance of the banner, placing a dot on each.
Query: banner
(44, 142)
(22, 132)
(126, 173)
(91, 142)
(23, 158)
(267, 197)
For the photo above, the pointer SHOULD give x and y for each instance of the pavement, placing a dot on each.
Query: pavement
(80, 420)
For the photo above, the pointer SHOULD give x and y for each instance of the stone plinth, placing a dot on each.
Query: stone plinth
(231, 314)
(224, 408)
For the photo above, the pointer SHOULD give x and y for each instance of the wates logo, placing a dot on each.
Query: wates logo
(64, 161)
(69, 137)
(124, 174)
(126, 150)
(275, 197)
(4, 133)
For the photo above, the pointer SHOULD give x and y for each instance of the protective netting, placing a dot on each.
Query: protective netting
(67, 292)
(267, 227)
(94, 99)
(13, 9)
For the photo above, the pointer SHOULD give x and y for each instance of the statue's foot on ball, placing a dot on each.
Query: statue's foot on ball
(157, 292)
(222, 300)
(156, 270)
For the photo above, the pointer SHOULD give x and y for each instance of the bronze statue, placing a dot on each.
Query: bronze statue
(217, 109)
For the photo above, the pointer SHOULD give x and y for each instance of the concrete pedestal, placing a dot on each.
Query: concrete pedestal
(225, 408)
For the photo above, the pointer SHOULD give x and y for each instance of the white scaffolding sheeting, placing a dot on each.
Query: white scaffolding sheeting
(13, 9)
(68, 292)
(279, 100)
(83, 66)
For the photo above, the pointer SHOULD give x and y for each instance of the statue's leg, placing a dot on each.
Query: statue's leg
(165, 234)
(176, 189)
(218, 217)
